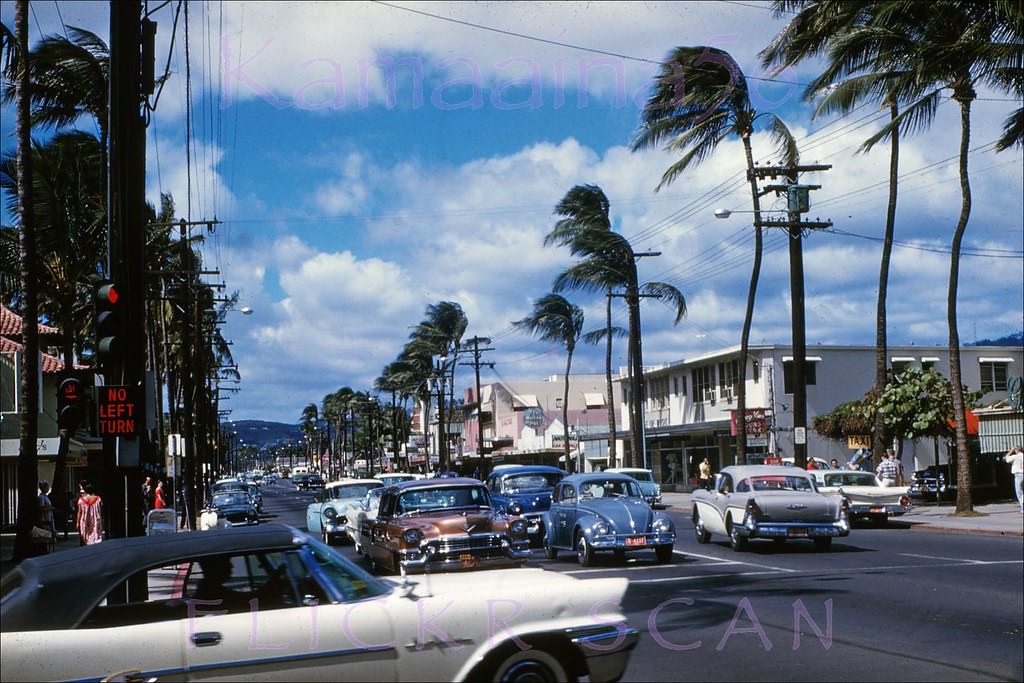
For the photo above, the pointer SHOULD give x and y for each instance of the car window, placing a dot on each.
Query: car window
(781, 483)
(568, 494)
(440, 498)
(532, 482)
(164, 600)
(387, 505)
(348, 580)
(742, 486)
(609, 488)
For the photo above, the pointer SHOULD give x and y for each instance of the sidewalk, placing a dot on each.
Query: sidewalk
(7, 548)
(1001, 519)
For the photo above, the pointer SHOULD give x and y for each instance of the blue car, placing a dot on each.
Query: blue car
(525, 491)
(599, 511)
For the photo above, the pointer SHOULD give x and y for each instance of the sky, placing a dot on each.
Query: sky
(368, 159)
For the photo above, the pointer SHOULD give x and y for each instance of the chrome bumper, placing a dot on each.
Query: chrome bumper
(794, 529)
(428, 554)
(606, 649)
(868, 510)
(618, 541)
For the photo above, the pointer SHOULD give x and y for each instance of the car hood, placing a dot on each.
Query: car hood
(536, 501)
(798, 507)
(626, 515)
(456, 522)
(869, 493)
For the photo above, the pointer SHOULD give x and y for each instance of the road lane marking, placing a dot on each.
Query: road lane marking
(721, 560)
(698, 577)
(948, 559)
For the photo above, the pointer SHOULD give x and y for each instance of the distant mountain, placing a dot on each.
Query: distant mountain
(1016, 339)
(264, 434)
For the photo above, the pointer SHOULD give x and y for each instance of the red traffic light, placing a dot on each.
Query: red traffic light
(71, 389)
(107, 294)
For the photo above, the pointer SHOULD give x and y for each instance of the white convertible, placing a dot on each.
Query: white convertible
(768, 501)
(271, 603)
(867, 497)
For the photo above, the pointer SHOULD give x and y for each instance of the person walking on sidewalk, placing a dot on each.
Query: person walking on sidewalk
(90, 515)
(159, 502)
(888, 470)
(1015, 456)
(705, 474)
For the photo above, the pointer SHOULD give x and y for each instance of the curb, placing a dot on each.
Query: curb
(962, 530)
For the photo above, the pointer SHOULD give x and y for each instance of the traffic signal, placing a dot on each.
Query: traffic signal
(109, 322)
(70, 403)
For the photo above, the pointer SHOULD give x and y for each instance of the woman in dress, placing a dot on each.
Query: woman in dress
(159, 502)
(90, 515)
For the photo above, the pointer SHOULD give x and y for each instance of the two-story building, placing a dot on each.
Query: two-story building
(690, 403)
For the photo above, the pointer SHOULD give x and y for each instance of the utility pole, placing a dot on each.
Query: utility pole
(798, 202)
(477, 364)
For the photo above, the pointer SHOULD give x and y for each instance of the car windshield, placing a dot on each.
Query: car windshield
(396, 478)
(348, 579)
(231, 498)
(641, 476)
(229, 486)
(781, 483)
(851, 479)
(442, 498)
(531, 482)
(351, 490)
(610, 488)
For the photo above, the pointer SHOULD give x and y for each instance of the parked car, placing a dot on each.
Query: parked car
(360, 516)
(230, 484)
(525, 490)
(768, 501)
(325, 517)
(650, 488)
(305, 481)
(228, 509)
(865, 494)
(598, 512)
(215, 602)
(443, 524)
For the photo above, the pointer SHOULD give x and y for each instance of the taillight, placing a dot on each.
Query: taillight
(752, 509)
(904, 501)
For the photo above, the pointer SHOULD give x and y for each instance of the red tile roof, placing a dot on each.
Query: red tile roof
(10, 324)
(50, 364)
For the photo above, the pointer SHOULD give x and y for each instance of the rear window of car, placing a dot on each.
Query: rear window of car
(781, 483)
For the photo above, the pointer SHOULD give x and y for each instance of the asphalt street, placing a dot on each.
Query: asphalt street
(884, 604)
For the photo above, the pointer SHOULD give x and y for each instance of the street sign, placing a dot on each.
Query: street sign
(799, 435)
(117, 411)
(757, 440)
(855, 442)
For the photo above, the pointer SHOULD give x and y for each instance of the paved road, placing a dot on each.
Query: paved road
(884, 604)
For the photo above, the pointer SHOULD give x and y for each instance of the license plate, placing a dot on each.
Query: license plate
(468, 560)
(877, 510)
(636, 540)
(796, 531)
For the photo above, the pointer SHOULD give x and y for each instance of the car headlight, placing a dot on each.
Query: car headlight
(601, 529)
(517, 527)
(330, 514)
(662, 524)
(515, 509)
(412, 536)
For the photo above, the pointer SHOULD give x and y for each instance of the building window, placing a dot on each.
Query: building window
(899, 367)
(993, 376)
(675, 386)
(682, 385)
(929, 364)
(728, 379)
(810, 375)
(704, 383)
(756, 368)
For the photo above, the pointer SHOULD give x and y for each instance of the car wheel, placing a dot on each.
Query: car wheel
(823, 544)
(549, 552)
(702, 534)
(530, 665)
(584, 551)
(737, 540)
(663, 553)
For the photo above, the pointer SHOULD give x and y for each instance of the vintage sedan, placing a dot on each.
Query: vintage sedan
(525, 491)
(390, 478)
(360, 516)
(867, 497)
(326, 516)
(768, 501)
(273, 603)
(228, 509)
(650, 488)
(443, 524)
(597, 512)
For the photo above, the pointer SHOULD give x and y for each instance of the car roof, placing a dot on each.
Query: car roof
(444, 482)
(346, 482)
(596, 476)
(744, 471)
(59, 589)
(626, 470)
(524, 469)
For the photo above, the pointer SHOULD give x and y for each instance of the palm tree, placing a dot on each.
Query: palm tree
(308, 426)
(554, 319)
(859, 67)
(608, 261)
(700, 98)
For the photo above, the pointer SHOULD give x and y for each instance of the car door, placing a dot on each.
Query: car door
(712, 514)
(314, 516)
(563, 514)
(273, 621)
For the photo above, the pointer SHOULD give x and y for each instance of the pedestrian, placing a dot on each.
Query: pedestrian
(705, 474)
(1015, 456)
(90, 515)
(147, 494)
(834, 464)
(888, 469)
(159, 502)
(45, 508)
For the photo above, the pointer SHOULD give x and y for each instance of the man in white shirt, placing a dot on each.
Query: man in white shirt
(1015, 457)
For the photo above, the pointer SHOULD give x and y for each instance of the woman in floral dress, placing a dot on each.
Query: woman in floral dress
(90, 515)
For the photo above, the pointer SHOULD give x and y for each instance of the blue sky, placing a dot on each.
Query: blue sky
(351, 203)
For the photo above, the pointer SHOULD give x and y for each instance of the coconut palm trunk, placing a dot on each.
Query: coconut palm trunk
(964, 502)
(609, 388)
(29, 382)
(569, 465)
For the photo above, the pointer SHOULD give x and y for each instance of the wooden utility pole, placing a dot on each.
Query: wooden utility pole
(477, 364)
(798, 203)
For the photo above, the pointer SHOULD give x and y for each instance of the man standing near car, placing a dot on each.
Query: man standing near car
(888, 470)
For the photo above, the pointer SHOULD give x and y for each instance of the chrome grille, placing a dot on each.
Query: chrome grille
(457, 544)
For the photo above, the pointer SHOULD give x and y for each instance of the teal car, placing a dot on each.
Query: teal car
(326, 516)
(648, 487)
